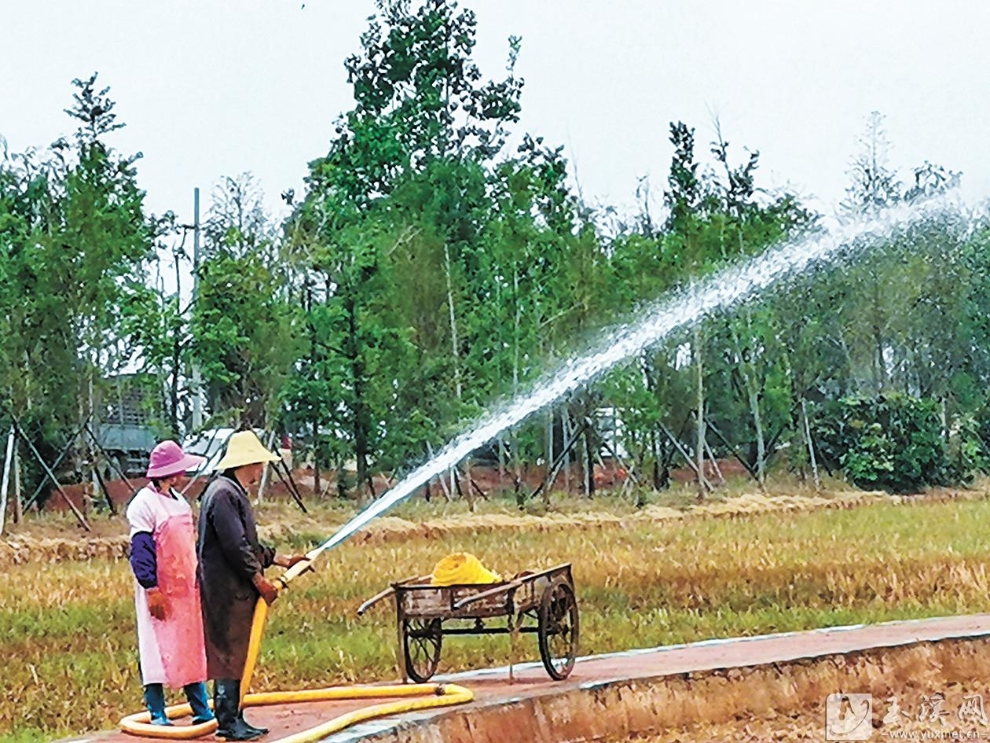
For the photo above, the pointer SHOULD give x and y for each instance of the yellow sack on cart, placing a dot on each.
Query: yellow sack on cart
(462, 568)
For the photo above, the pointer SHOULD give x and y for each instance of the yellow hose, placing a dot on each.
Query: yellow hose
(254, 644)
(429, 695)
(140, 724)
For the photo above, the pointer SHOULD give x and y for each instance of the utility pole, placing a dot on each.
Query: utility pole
(197, 401)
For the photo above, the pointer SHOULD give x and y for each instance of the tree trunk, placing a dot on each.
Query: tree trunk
(753, 398)
(565, 428)
(699, 451)
(467, 484)
(173, 413)
(589, 451)
(500, 442)
(316, 459)
(550, 459)
(5, 479)
(657, 483)
(514, 439)
(18, 512)
(811, 446)
(361, 422)
(880, 363)
(453, 324)
(315, 422)
(173, 403)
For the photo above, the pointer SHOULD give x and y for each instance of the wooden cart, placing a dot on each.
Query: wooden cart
(543, 602)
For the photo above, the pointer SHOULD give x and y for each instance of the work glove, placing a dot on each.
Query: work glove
(266, 588)
(156, 603)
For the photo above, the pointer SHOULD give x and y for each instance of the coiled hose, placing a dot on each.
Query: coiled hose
(426, 695)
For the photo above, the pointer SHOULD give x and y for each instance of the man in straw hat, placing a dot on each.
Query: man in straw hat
(231, 565)
(163, 559)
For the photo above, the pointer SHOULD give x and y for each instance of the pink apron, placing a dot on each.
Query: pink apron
(180, 635)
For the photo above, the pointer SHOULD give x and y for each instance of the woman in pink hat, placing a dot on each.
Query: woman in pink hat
(166, 594)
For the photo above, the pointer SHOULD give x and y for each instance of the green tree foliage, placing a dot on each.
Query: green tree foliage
(431, 270)
(396, 227)
(74, 242)
(245, 330)
(156, 323)
(890, 442)
(715, 216)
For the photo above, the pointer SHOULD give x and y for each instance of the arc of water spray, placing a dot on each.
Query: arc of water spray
(720, 291)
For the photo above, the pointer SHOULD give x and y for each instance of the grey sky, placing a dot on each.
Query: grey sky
(217, 87)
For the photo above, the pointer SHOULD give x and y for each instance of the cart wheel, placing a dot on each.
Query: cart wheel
(558, 629)
(421, 642)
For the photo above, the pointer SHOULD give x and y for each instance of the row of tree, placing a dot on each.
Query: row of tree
(432, 268)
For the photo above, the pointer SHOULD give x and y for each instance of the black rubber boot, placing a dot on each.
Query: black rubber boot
(226, 707)
(249, 726)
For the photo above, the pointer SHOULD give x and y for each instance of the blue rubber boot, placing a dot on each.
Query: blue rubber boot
(198, 699)
(154, 699)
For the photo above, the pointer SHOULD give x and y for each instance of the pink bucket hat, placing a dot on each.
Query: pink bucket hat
(168, 459)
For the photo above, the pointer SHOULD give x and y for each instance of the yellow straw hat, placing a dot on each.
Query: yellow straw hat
(243, 448)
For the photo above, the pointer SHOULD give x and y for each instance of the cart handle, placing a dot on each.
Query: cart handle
(386, 593)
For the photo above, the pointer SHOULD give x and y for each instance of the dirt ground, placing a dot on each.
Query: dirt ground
(955, 711)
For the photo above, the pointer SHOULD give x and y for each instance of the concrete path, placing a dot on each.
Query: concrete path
(492, 687)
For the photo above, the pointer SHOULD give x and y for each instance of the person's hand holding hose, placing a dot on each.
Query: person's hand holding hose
(304, 562)
(287, 562)
(266, 588)
(156, 603)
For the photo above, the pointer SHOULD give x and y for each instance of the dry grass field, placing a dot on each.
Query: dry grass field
(666, 573)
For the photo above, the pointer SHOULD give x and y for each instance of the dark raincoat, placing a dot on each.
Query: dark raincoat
(229, 557)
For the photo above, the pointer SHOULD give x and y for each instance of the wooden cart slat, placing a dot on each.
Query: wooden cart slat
(476, 601)
(386, 593)
(546, 596)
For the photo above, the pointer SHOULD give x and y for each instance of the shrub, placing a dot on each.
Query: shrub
(890, 442)
(966, 450)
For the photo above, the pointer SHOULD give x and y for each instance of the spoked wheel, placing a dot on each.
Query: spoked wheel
(558, 629)
(421, 642)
